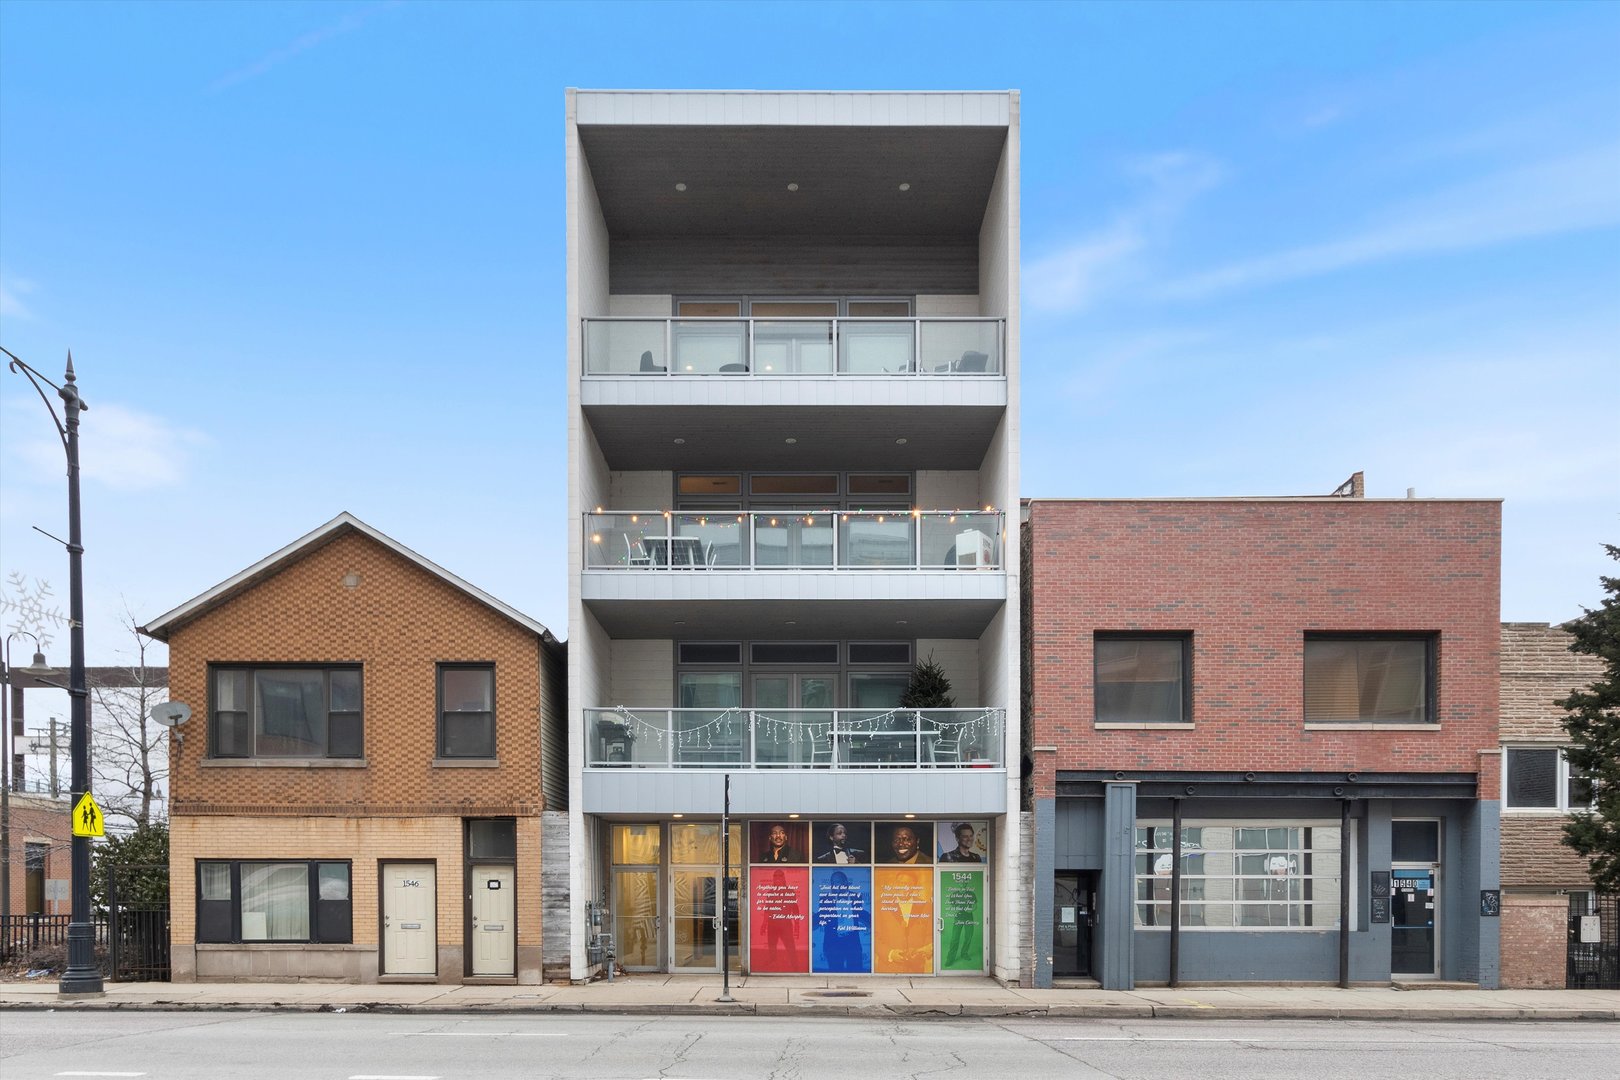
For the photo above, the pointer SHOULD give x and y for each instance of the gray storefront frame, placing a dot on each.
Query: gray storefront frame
(1090, 826)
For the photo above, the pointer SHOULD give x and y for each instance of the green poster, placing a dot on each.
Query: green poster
(961, 909)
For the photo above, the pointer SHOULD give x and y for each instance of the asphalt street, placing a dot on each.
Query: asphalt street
(37, 1045)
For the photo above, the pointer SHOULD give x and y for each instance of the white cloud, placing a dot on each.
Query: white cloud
(1572, 193)
(303, 43)
(1073, 276)
(121, 448)
(12, 290)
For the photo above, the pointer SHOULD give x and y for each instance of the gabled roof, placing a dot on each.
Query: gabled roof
(273, 564)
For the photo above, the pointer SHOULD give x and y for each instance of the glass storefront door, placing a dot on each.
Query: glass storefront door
(1414, 905)
(694, 878)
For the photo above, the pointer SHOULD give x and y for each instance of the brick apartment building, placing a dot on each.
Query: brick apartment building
(1308, 686)
(358, 795)
(40, 856)
(1544, 883)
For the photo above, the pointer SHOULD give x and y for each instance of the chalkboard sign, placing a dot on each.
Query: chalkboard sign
(1380, 909)
(1380, 882)
(1490, 903)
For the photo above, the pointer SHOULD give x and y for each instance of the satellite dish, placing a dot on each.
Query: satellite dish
(171, 713)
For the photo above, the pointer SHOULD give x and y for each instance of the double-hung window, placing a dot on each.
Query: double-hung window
(1369, 678)
(466, 710)
(1540, 778)
(1142, 678)
(302, 900)
(302, 711)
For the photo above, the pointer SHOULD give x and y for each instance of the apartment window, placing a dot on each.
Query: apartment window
(281, 901)
(1367, 678)
(1271, 875)
(1540, 778)
(466, 710)
(1142, 678)
(305, 711)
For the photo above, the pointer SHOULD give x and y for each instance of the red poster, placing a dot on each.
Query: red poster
(779, 919)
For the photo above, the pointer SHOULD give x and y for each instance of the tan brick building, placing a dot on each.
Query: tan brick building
(358, 793)
(1543, 881)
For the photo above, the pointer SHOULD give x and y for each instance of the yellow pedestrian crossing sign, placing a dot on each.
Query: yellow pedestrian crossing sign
(87, 818)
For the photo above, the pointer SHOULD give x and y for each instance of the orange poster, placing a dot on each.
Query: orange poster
(903, 923)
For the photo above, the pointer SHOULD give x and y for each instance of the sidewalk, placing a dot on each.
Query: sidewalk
(873, 997)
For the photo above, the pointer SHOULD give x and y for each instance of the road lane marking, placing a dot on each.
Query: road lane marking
(100, 1074)
(1139, 1038)
(389, 1076)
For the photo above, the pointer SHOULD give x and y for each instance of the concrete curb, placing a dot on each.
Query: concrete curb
(1123, 1011)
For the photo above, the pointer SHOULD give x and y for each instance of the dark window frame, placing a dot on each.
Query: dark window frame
(1431, 670)
(441, 746)
(1185, 637)
(254, 722)
(331, 922)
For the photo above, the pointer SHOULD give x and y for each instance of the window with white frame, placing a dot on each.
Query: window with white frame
(1241, 875)
(1540, 778)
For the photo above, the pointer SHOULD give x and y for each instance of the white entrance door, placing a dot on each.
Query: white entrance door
(410, 934)
(494, 907)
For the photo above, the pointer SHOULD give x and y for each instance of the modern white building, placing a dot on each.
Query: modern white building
(793, 476)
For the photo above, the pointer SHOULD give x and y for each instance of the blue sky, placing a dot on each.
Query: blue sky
(309, 258)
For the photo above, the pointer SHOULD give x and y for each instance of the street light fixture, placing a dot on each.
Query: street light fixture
(81, 976)
(38, 667)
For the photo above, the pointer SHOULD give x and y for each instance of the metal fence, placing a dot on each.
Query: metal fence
(24, 934)
(138, 934)
(1594, 942)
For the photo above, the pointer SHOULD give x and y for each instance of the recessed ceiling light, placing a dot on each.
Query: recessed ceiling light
(790, 441)
(680, 442)
(677, 815)
(905, 187)
(899, 442)
(899, 622)
(680, 187)
(791, 622)
(793, 187)
(793, 815)
(911, 816)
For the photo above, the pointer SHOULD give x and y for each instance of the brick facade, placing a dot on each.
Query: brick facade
(1534, 953)
(1537, 866)
(42, 821)
(351, 599)
(1248, 578)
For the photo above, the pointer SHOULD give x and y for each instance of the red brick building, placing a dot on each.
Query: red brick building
(1308, 686)
(1544, 883)
(358, 795)
(40, 855)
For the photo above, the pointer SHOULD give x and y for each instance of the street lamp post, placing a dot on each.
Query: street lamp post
(7, 741)
(82, 976)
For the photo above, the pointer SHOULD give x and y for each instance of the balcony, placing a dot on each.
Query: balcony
(794, 540)
(794, 739)
(968, 348)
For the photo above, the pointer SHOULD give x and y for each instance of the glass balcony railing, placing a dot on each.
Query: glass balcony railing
(736, 738)
(794, 540)
(769, 348)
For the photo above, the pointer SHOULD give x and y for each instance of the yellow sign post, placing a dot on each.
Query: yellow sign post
(87, 817)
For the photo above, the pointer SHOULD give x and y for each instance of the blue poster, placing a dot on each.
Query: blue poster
(841, 938)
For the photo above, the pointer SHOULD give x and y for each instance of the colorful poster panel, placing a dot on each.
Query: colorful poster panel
(961, 905)
(778, 842)
(779, 919)
(841, 843)
(902, 842)
(903, 925)
(964, 841)
(842, 930)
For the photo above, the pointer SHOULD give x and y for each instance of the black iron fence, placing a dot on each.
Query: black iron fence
(1594, 942)
(138, 917)
(22, 935)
